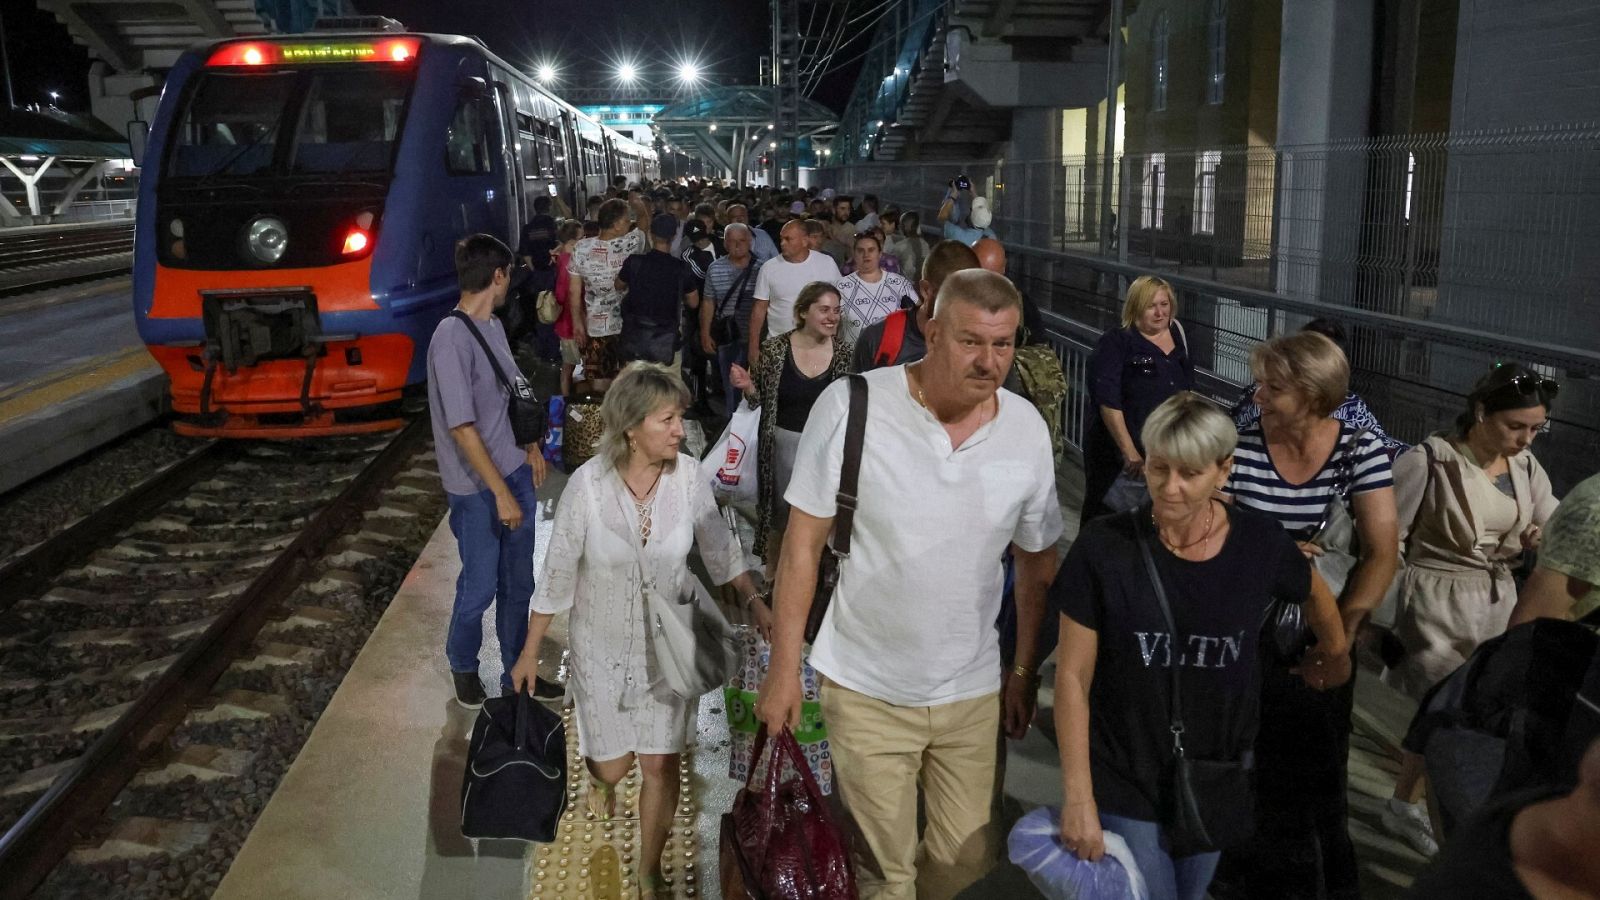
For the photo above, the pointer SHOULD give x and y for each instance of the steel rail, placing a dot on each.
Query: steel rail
(29, 570)
(66, 280)
(32, 847)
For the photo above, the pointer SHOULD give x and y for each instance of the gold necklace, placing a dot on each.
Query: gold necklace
(983, 413)
(1211, 512)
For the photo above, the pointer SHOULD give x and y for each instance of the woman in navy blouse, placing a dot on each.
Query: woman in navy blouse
(1132, 370)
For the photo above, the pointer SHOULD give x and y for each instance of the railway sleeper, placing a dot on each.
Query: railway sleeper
(138, 549)
(71, 596)
(141, 837)
(273, 655)
(89, 722)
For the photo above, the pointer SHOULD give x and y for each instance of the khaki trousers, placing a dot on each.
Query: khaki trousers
(882, 754)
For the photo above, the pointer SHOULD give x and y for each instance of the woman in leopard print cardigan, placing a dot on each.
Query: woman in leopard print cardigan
(784, 389)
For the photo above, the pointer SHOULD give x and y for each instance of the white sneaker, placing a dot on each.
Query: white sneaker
(1409, 822)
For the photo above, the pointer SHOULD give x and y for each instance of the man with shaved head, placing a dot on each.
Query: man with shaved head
(913, 690)
(780, 281)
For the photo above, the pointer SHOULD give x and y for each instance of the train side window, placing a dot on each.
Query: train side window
(467, 143)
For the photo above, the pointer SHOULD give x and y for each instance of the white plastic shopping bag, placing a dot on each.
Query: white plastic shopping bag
(731, 465)
(1035, 846)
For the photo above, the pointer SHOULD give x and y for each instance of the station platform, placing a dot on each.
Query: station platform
(371, 806)
(74, 376)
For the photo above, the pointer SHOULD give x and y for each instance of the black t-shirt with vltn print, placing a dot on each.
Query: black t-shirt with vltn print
(1219, 606)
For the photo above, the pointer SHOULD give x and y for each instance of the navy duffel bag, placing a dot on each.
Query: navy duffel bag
(516, 778)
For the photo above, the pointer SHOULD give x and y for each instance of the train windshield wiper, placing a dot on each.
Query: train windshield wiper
(235, 156)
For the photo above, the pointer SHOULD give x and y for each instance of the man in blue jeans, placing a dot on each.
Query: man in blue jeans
(490, 480)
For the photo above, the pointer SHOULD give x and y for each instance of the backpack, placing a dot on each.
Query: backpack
(894, 335)
(1514, 716)
(1045, 384)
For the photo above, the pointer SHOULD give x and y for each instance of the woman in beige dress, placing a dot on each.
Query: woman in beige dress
(1471, 501)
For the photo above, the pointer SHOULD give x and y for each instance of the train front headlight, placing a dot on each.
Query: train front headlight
(266, 238)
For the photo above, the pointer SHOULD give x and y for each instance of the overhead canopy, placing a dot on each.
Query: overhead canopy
(57, 133)
(722, 124)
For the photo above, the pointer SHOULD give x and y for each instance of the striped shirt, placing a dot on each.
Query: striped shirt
(1255, 483)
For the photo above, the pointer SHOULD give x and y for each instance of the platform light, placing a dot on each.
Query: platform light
(713, 126)
(627, 73)
(772, 145)
(689, 72)
(547, 73)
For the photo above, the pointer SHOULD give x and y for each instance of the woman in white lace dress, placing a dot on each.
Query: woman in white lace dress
(637, 490)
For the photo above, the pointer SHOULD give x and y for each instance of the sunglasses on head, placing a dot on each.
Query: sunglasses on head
(1527, 384)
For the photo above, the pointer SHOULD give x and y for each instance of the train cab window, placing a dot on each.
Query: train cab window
(467, 144)
(351, 120)
(231, 125)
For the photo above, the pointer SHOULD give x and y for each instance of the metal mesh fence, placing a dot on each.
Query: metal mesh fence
(1439, 254)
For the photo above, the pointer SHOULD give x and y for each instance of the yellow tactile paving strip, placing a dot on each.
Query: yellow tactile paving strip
(595, 860)
(63, 384)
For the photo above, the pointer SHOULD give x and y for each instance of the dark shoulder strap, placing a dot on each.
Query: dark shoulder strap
(855, 430)
(493, 363)
(738, 285)
(1175, 702)
(894, 336)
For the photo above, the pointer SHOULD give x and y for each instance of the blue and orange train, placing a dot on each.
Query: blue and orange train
(300, 203)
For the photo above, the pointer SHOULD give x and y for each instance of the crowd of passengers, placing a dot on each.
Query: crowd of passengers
(1198, 525)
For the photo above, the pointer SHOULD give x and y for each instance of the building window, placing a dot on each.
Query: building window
(1158, 64)
(1217, 51)
(1154, 191)
(1205, 191)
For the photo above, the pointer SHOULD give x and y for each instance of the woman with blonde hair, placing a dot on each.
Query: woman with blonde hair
(1220, 569)
(1303, 467)
(1132, 370)
(794, 369)
(639, 497)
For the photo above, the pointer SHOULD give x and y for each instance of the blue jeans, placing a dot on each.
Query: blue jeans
(1167, 878)
(727, 355)
(496, 568)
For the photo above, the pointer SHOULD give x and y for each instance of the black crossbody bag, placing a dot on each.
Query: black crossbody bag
(1206, 804)
(838, 547)
(529, 417)
(725, 328)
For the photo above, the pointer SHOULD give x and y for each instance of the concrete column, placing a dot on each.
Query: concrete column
(1035, 156)
(1324, 86)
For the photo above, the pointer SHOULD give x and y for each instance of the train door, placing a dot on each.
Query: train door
(572, 167)
(470, 160)
(510, 211)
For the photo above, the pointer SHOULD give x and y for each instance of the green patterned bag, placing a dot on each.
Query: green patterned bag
(740, 699)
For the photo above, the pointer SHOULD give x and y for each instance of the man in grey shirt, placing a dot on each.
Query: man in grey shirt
(489, 479)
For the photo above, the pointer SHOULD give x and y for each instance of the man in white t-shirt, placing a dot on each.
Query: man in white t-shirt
(593, 272)
(954, 470)
(780, 282)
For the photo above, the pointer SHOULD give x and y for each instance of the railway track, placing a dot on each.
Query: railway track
(114, 632)
(34, 262)
(58, 246)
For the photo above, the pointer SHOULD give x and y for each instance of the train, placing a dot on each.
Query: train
(299, 204)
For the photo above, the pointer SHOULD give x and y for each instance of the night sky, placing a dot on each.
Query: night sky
(728, 37)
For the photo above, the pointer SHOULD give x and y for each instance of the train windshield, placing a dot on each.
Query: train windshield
(327, 121)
